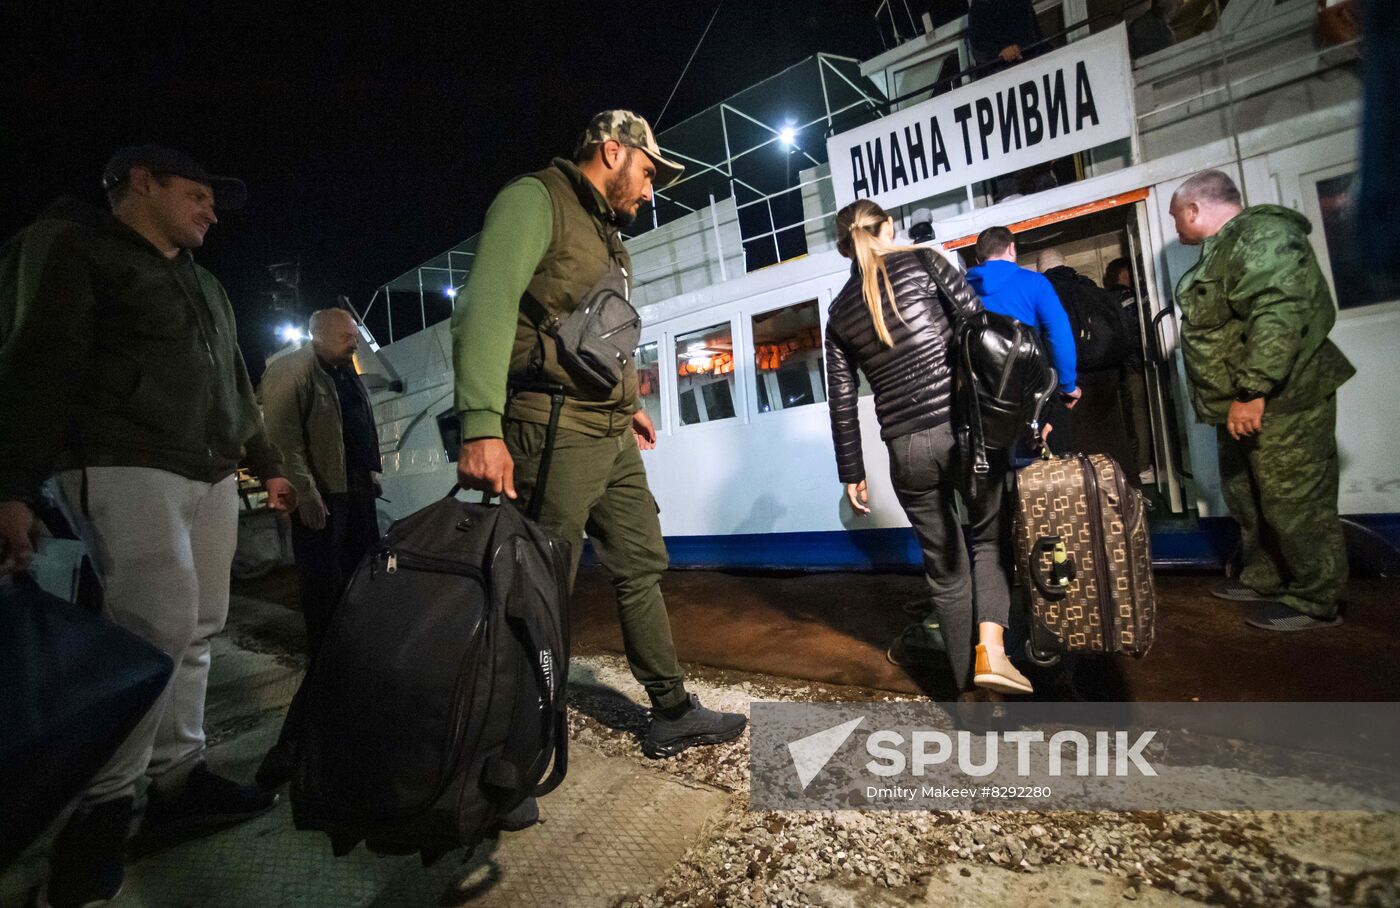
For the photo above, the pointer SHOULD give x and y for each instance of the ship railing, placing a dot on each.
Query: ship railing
(818, 208)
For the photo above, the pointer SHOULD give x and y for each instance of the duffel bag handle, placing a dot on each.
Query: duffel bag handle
(485, 496)
(1062, 571)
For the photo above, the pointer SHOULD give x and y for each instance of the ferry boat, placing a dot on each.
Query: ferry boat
(737, 267)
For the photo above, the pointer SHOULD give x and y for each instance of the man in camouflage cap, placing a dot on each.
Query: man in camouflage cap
(632, 132)
(549, 238)
(1256, 312)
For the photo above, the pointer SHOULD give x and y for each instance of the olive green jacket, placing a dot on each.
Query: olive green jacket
(548, 237)
(302, 411)
(1256, 312)
(113, 355)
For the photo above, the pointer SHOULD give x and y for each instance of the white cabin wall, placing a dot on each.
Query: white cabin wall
(685, 254)
(818, 209)
(424, 362)
(1272, 61)
(759, 472)
(775, 472)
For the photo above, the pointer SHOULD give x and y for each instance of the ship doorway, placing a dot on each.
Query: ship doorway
(1127, 410)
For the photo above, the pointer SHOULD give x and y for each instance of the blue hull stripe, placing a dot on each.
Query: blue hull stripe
(1203, 544)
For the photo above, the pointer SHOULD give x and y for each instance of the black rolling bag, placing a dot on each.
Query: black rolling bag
(437, 701)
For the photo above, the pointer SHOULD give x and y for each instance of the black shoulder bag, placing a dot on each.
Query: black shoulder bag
(597, 340)
(1003, 379)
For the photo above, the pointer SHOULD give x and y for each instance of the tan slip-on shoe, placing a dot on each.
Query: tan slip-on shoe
(995, 672)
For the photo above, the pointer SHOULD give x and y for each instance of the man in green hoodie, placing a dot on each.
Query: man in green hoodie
(1256, 312)
(549, 238)
(120, 375)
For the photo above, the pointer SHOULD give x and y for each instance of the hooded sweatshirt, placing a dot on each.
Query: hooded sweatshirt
(1027, 296)
(113, 355)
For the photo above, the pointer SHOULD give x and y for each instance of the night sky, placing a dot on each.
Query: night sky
(370, 140)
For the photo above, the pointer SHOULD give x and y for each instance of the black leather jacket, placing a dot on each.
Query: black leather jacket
(912, 380)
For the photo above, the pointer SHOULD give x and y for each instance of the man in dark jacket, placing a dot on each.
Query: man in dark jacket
(119, 368)
(1002, 30)
(1256, 312)
(1008, 289)
(1118, 278)
(318, 414)
(549, 238)
(1152, 31)
(1100, 344)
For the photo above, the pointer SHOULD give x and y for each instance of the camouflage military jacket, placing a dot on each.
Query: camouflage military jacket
(1255, 315)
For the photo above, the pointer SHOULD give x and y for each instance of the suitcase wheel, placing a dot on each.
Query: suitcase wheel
(1041, 658)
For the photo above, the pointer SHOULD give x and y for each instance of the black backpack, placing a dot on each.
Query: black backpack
(437, 701)
(1097, 321)
(1002, 377)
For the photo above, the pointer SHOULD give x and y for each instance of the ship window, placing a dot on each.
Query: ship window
(1335, 196)
(937, 72)
(789, 371)
(649, 380)
(705, 374)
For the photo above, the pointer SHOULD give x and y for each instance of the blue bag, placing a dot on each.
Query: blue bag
(72, 687)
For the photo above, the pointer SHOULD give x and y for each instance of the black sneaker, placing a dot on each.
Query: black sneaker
(697, 725)
(1275, 616)
(206, 803)
(919, 646)
(1235, 591)
(86, 865)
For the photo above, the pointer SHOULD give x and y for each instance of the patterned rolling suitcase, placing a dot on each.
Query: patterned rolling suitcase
(1082, 547)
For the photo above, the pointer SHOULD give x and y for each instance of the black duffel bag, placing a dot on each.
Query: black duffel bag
(436, 704)
(72, 687)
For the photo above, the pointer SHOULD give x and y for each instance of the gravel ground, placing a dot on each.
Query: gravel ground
(872, 858)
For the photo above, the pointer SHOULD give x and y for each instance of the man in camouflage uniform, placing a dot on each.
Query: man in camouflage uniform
(549, 238)
(1255, 316)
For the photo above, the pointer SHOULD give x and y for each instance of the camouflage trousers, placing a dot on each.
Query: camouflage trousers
(1281, 486)
(599, 485)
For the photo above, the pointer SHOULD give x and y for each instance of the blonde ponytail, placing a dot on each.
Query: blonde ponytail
(858, 238)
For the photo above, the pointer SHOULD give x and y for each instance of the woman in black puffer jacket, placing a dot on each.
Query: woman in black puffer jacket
(892, 322)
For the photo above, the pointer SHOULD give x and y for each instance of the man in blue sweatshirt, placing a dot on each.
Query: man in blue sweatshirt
(1027, 296)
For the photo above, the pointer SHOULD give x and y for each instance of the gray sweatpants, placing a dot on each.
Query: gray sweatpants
(163, 545)
(925, 480)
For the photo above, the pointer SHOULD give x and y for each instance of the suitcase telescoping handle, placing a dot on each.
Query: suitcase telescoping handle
(1056, 585)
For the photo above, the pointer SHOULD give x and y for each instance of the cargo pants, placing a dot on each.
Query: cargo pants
(1281, 486)
(599, 485)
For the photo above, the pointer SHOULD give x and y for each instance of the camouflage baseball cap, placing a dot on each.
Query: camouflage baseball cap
(630, 129)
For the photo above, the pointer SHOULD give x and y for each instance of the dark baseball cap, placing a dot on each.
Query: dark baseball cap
(229, 192)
